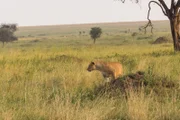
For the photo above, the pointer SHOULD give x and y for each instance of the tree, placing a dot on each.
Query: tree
(7, 33)
(172, 13)
(95, 33)
(79, 32)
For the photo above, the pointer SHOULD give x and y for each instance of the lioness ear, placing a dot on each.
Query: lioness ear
(92, 63)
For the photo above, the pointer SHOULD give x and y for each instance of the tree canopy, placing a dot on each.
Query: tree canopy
(7, 33)
(95, 33)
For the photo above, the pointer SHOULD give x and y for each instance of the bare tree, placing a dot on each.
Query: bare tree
(172, 13)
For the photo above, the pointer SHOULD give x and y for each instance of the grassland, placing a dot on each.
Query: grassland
(43, 74)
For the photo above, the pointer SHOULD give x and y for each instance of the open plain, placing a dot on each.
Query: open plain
(44, 77)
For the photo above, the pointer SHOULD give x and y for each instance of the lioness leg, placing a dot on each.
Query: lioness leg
(106, 76)
(114, 76)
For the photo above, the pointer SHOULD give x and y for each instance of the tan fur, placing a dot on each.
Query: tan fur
(108, 69)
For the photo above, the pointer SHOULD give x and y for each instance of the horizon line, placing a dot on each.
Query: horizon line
(68, 24)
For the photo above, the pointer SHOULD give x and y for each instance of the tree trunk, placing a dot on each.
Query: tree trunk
(94, 41)
(3, 44)
(174, 23)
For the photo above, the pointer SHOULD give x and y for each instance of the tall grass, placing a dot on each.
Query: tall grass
(45, 78)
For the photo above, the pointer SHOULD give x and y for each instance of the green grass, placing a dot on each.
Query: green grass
(44, 77)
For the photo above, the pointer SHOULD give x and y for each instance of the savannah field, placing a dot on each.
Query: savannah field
(44, 77)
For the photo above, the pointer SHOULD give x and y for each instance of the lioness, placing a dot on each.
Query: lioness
(109, 70)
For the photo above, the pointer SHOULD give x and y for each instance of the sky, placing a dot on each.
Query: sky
(56, 12)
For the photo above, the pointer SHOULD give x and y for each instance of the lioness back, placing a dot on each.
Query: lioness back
(113, 69)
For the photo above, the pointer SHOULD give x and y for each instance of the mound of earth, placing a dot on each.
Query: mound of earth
(161, 40)
(134, 81)
(131, 81)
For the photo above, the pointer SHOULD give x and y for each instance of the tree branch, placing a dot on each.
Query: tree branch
(123, 1)
(149, 21)
(161, 6)
(176, 8)
(165, 7)
(172, 5)
(149, 24)
(178, 3)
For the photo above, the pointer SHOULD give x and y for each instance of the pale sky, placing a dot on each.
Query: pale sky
(55, 12)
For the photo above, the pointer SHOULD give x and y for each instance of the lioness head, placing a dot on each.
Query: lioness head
(91, 66)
